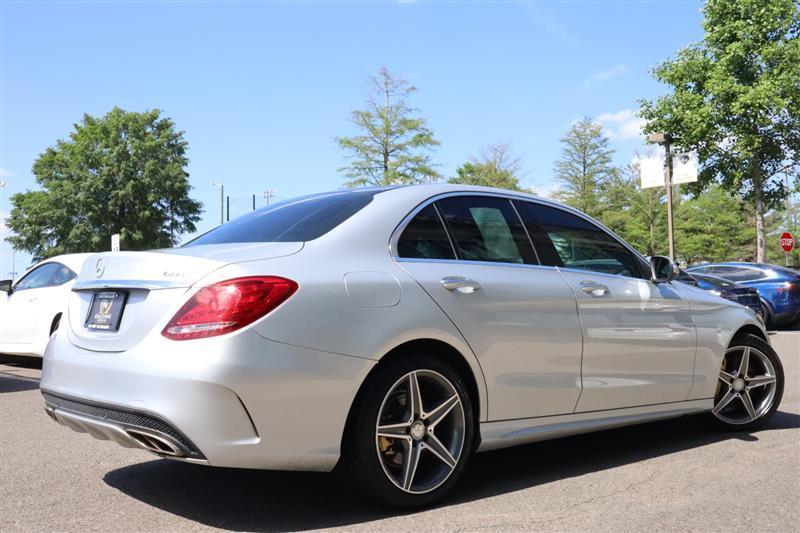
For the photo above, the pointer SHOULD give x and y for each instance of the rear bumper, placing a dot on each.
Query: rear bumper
(238, 400)
(123, 426)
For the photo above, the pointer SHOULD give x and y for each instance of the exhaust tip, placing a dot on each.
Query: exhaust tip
(155, 443)
(51, 413)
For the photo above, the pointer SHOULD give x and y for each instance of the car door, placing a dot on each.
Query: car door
(639, 339)
(32, 300)
(472, 255)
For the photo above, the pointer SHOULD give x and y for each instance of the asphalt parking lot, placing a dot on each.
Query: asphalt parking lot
(672, 475)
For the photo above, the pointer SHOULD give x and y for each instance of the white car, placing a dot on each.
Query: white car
(30, 310)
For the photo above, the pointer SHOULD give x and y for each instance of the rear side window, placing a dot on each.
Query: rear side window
(425, 237)
(739, 273)
(575, 242)
(296, 220)
(486, 228)
(46, 275)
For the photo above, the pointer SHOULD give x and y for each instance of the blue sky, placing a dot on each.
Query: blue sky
(261, 89)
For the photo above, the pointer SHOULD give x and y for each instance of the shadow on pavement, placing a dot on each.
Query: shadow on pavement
(264, 501)
(21, 361)
(12, 384)
(12, 380)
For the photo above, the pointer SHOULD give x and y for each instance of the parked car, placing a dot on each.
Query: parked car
(31, 308)
(778, 287)
(393, 332)
(735, 292)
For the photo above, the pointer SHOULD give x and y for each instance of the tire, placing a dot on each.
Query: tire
(745, 400)
(376, 461)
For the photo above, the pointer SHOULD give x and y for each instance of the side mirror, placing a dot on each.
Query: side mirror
(5, 286)
(662, 269)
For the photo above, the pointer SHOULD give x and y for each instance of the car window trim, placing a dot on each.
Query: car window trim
(446, 229)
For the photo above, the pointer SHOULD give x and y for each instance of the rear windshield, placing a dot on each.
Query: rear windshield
(299, 219)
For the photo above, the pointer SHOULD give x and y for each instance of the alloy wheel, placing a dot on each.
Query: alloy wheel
(420, 431)
(747, 385)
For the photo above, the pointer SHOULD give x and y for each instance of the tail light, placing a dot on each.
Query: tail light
(227, 306)
(790, 286)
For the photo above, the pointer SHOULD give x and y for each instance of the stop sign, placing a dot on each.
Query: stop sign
(787, 242)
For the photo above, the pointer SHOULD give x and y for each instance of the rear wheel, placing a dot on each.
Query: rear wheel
(412, 433)
(750, 384)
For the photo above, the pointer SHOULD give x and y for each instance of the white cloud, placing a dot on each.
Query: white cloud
(547, 190)
(5, 173)
(622, 125)
(605, 75)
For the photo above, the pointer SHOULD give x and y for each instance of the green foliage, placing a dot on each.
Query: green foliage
(584, 167)
(735, 98)
(496, 168)
(121, 173)
(395, 146)
(713, 227)
(638, 215)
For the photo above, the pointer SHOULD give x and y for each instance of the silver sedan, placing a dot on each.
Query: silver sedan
(391, 333)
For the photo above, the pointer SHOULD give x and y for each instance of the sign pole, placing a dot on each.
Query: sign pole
(671, 235)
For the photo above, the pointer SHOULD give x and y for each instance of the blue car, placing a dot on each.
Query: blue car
(777, 286)
(730, 290)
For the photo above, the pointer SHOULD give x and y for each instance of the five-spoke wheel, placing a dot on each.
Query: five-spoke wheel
(412, 432)
(750, 383)
(420, 431)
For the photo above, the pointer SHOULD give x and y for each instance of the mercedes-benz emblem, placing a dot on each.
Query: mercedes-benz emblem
(99, 268)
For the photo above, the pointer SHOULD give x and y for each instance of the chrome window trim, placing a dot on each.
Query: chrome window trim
(510, 196)
(478, 263)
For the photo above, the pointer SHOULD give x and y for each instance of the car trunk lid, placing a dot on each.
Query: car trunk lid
(146, 286)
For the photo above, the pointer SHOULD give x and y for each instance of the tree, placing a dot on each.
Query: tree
(497, 167)
(638, 215)
(121, 173)
(585, 166)
(395, 146)
(735, 98)
(712, 227)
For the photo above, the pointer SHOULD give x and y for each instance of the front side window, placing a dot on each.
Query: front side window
(425, 237)
(564, 239)
(46, 275)
(296, 220)
(486, 228)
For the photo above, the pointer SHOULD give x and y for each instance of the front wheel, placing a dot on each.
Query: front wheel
(750, 384)
(412, 433)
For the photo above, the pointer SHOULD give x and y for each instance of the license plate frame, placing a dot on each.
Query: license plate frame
(105, 311)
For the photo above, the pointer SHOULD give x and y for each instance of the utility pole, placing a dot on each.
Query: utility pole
(221, 201)
(665, 140)
(269, 193)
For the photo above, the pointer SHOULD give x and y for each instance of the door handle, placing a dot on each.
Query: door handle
(462, 285)
(594, 288)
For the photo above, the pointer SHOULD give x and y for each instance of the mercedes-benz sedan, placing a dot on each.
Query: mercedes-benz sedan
(391, 333)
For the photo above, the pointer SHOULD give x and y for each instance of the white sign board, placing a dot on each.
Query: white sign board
(115, 242)
(684, 167)
(651, 170)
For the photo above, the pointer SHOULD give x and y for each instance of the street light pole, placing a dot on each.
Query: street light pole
(221, 201)
(269, 193)
(665, 140)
